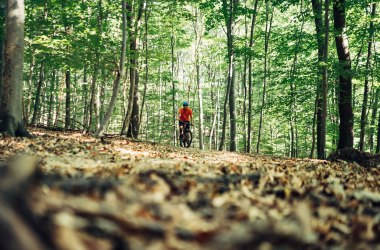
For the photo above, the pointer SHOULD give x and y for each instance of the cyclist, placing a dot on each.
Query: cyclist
(185, 117)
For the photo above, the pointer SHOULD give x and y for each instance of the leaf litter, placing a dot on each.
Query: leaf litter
(120, 194)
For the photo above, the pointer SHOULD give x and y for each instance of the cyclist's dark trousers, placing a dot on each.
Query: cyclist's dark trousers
(184, 124)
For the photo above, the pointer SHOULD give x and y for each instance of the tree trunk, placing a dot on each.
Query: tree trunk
(322, 29)
(173, 90)
(132, 119)
(51, 99)
(27, 102)
(68, 100)
(229, 11)
(198, 42)
(373, 119)
(2, 42)
(37, 101)
(120, 71)
(346, 135)
(363, 119)
(85, 98)
(11, 118)
(146, 18)
(249, 132)
(268, 28)
(293, 88)
(313, 129)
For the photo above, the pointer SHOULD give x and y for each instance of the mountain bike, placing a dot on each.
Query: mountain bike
(185, 136)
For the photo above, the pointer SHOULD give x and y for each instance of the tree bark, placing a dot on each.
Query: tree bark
(37, 101)
(2, 41)
(363, 119)
(373, 119)
(68, 100)
(229, 9)
(346, 135)
(132, 116)
(322, 29)
(198, 42)
(249, 132)
(51, 99)
(268, 28)
(120, 71)
(11, 118)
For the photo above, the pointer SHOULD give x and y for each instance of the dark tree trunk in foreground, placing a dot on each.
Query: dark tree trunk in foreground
(11, 121)
(346, 135)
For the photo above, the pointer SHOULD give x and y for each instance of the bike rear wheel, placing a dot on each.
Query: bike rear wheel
(187, 139)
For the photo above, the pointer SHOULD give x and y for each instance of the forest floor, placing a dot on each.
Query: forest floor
(121, 194)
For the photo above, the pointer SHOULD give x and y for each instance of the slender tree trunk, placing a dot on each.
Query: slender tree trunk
(51, 99)
(120, 71)
(346, 136)
(68, 100)
(198, 42)
(146, 18)
(85, 98)
(59, 99)
(224, 124)
(363, 119)
(373, 119)
(322, 29)
(173, 90)
(293, 87)
(93, 94)
(249, 132)
(11, 118)
(38, 94)
(313, 129)
(27, 102)
(229, 11)
(322, 142)
(268, 28)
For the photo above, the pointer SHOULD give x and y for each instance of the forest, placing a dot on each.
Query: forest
(288, 78)
(285, 146)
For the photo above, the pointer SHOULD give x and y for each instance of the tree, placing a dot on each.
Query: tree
(229, 9)
(322, 29)
(11, 118)
(119, 73)
(2, 41)
(363, 119)
(249, 132)
(346, 135)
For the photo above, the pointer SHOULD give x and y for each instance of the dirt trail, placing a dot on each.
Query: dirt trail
(120, 194)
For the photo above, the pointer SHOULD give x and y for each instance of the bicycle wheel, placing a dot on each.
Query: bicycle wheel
(188, 138)
(182, 142)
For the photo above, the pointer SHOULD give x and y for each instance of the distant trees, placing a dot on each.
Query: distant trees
(255, 72)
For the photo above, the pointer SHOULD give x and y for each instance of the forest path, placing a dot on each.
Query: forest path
(120, 194)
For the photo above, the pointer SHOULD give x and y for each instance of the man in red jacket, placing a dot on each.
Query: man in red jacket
(185, 117)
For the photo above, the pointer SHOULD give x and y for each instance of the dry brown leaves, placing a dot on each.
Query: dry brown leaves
(130, 195)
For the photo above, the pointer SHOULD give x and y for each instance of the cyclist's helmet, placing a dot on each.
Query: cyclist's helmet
(185, 104)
